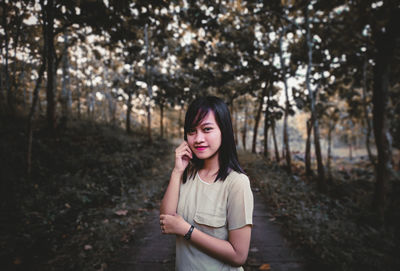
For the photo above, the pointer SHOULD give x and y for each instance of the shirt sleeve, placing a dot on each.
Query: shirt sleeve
(240, 203)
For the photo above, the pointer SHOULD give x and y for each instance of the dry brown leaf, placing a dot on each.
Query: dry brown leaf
(17, 261)
(265, 266)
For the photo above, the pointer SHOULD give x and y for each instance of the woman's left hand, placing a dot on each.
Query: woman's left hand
(173, 224)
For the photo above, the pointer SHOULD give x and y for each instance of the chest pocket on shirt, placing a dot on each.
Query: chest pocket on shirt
(212, 224)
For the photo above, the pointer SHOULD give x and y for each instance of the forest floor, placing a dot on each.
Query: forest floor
(93, 188)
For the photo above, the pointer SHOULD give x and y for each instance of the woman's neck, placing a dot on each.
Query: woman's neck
(211, 165)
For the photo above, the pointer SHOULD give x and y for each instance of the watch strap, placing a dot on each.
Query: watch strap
(189, 233)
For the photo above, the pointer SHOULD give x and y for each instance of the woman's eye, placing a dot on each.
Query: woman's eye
(192, 131)
(207, 129)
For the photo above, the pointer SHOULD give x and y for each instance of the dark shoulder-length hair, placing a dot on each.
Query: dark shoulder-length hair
(228, 159)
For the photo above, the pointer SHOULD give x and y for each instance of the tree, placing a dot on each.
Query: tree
(385, 39)
(258, 117)
(314, 119)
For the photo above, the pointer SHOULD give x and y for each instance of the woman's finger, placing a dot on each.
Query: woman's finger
(185, 153)
(189, 154)
(182, 146)
(188, 149)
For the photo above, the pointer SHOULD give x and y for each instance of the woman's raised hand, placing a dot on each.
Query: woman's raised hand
(183, 155)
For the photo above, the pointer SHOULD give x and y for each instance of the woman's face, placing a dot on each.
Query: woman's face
(205, 139)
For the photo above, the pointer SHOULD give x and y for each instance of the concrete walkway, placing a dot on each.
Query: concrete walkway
(268, 249)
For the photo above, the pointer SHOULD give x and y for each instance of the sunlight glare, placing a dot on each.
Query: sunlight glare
(99, 96)
(377, 4)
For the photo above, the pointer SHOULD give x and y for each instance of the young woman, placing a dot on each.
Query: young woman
(208, 204)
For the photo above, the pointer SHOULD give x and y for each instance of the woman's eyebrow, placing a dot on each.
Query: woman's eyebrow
(207, 123)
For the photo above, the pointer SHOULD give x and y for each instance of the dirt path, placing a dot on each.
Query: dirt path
(267, 247)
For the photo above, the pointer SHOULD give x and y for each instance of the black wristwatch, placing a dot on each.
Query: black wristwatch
(189, 233)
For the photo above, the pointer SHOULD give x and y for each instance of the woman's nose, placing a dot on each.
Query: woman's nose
(199, 137)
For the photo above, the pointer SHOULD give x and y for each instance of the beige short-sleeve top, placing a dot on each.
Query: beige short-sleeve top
(214, 208)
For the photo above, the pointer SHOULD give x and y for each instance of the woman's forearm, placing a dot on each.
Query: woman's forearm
(169, 203)
(233, 252)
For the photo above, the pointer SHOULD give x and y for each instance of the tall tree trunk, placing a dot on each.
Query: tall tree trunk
(257, 119)
(385, 43)
(30, 118)
(6, 45)
(234, 118)
(267, 121)
(307, 157)
(21, 80)
(128, 112)
(367, 120)
(166, 129)
(244, 132)
(78, 92)
(350, 146)
(15, 81)
(65, 90)
(90, 99)
(78, 97)
(2, 89)
(266, 149)
(90, 102)
(286, 147)
(2, 95)
(51, 76)
(110, 100)
(111, 108)
(235, 123)
(149, 82)
(161, 119)
(180, 124)
(328, 163)
(275, 143)
(318, 154)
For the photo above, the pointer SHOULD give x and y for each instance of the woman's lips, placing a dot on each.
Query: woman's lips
(201, 148)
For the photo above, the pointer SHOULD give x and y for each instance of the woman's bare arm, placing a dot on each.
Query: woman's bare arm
(233, 252)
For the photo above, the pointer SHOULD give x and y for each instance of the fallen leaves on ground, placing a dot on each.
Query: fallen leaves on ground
(265, 266)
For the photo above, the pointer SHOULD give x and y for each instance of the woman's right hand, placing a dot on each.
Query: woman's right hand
(183, 155)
